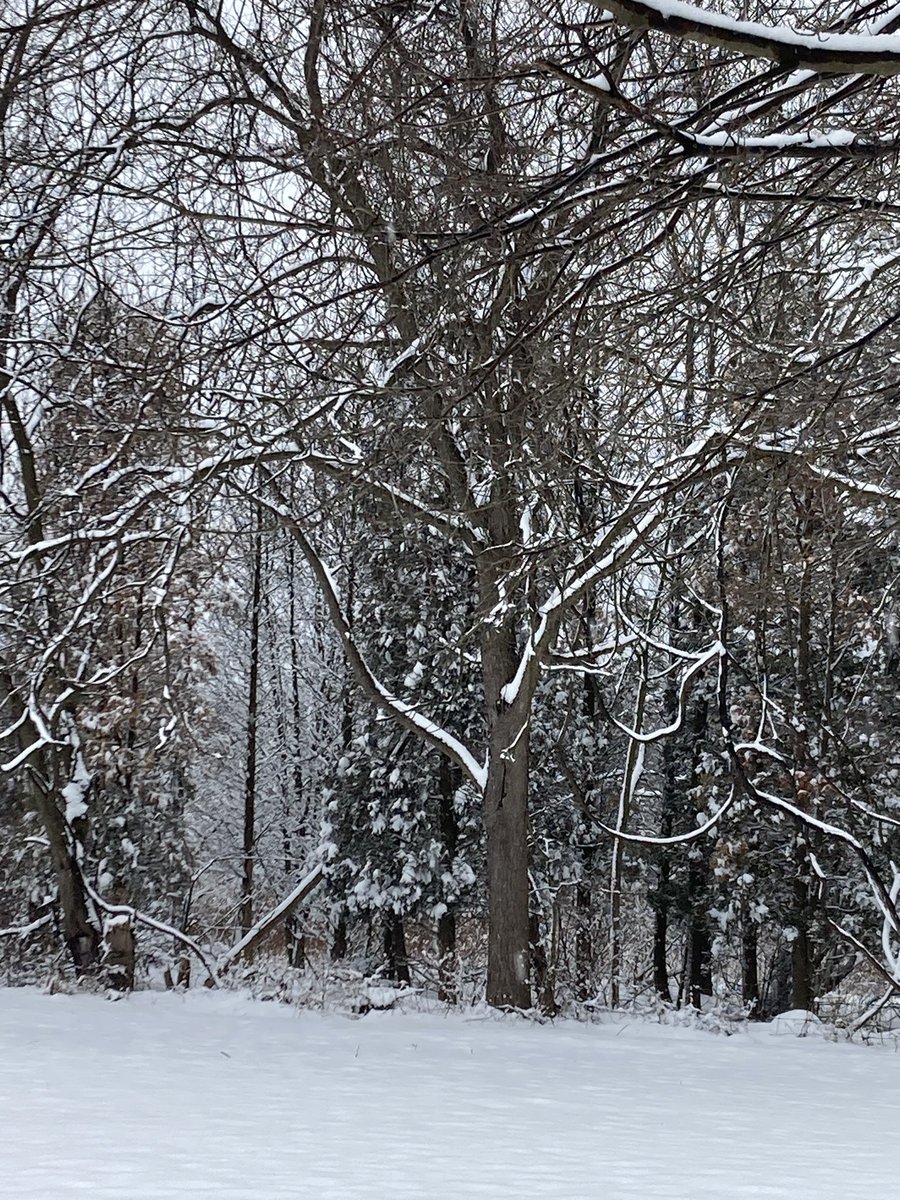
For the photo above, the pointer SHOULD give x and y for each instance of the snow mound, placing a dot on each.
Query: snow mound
(797, 1023)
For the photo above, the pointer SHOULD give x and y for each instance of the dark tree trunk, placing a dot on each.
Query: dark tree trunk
(541, 969)
(506, 826)
(249, 847)
(80, 933)
(700, 955)
(584, 942)
(664, 885)
(778, 992)
(446, 939)
(660, 959)
(750, 990)
(339, 938)
(662, 898)
(395, 953)
(700, 952)
(449, 779)
(295, 826)
(802, 988)
(700, 963)
(802, 992)
(507, 854)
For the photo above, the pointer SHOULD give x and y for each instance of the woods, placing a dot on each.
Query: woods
(448, 498)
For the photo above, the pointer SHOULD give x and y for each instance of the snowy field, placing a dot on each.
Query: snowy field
(161, 1096)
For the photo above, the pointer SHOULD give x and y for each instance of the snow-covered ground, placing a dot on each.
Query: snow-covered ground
(162, 1096)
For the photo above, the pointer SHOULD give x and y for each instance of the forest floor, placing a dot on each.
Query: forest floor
(160, 1096)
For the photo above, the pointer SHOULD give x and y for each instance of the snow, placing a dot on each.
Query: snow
(159, 1097)
(796, 1023)
(852, 43)
(519, 218)
(73, 795)
(812, 139)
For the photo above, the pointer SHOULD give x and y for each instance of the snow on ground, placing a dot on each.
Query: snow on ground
(161, 1097)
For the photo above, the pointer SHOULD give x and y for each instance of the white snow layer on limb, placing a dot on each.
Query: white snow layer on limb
(718, 141)
(306, 885)
(832, 53)
(76, 790)
(612, 549)
(22, 931)
(813, 142)
(678, 838)
(141, 918)
(614, 553)
(713, 654)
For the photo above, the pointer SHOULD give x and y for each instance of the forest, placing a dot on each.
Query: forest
(449, 491)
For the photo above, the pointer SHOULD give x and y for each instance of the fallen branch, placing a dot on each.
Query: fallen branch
(308, 884)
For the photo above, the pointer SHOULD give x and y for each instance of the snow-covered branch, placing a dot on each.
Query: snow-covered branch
(304, 888)
(828, 53)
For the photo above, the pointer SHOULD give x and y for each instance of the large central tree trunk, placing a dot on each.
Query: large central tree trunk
(506, 827)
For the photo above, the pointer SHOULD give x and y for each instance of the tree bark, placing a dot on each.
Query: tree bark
(700, 960)
(119, 952)
(750, 991)
(395, 952)
(295, 942)
(80, 933)
(506, 822)
(506, 827)
(584, 942)
(249, 846)
(339, 938)
(664, 871)
(449, 779)
(802, 992)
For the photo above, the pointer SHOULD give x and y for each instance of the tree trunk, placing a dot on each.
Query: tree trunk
(663, 884)
(750, 970)
(633, 768)
(80, 933)
(802, 992)
(249, 847)
(295, 825)
(506, 826)
(339, 938)
(395, 953)
(700, 959)
(584, 942)
(118, 952)
(506, 790)
(700, 962)
(802, 989)
(778, 993)
(660, 960)
(449, 779)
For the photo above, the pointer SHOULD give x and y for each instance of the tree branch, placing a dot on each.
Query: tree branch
(828, 53)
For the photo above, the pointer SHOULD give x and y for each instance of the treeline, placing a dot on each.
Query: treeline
(449, 475)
